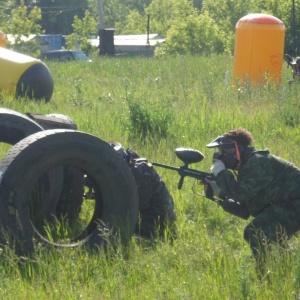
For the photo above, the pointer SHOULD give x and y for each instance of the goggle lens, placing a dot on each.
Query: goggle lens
(218, 150)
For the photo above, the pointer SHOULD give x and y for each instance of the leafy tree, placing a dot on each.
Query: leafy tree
(165, 12)
(116, 12)
(197, 35)
(129, 15)
(83, 29)
(225, 15)
(134, 23)
(5, 13)
(198, 4)
(58, 15)
(24, 23)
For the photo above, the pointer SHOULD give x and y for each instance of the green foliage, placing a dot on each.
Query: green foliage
(148, 120)
(58, 15)
(5, 12)
(23, 24)
(196, 35)
(165, 12)
(82, 32)
(224, 20)
(134, 23)
(116, 13)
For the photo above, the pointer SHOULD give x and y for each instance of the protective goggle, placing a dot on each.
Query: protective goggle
(219, 151)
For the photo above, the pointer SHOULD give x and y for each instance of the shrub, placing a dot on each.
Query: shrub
(148, 119)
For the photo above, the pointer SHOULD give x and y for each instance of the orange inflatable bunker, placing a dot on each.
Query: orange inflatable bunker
(2, 39)
(259, 49)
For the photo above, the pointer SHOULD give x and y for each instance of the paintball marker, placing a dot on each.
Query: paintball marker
(187, 156)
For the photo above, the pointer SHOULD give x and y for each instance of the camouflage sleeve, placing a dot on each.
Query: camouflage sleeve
(252, 178)
(235, 208)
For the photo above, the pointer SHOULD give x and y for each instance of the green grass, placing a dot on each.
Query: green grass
(182, 102)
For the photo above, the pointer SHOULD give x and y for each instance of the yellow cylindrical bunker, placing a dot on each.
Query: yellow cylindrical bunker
(2, 39)
(24, 76)
(259, 49)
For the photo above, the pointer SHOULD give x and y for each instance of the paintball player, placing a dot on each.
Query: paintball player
(156, 205)
(260, 185)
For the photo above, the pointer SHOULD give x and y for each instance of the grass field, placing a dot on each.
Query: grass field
(154, 106)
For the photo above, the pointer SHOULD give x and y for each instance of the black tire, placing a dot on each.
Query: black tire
(72, 189)
(116, 199)
(14, 127)
(53, 121)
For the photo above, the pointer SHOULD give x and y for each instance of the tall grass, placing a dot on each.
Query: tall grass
(154, 106)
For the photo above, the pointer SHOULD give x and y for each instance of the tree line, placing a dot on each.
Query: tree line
(189, 26)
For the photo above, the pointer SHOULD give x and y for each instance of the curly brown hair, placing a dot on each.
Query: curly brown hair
(241, 135)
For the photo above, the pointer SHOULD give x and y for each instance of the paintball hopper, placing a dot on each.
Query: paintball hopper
(189, 156)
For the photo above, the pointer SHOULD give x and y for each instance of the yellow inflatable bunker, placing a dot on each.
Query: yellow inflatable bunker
(24, 75)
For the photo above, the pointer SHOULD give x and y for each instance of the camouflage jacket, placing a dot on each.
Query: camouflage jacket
(262, 180)
(155, 200)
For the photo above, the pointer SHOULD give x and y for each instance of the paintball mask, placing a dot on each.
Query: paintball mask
(226, 150)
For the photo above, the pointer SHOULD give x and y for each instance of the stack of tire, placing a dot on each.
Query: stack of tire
(42, 178)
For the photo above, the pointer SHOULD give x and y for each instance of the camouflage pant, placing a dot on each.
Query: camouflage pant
(274, 224)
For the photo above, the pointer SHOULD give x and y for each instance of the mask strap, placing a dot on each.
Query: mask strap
(238, 155)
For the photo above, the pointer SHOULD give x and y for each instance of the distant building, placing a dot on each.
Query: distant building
(142, 44)
(44, 45)
(47, 42)
(134, 43)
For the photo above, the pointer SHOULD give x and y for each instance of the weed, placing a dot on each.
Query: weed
(148, 119)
